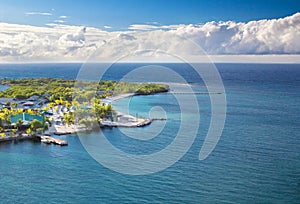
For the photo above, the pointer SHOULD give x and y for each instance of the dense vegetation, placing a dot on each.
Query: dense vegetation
(67, 89)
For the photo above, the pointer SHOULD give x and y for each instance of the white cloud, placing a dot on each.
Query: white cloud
(142, 27)
(276, 36)
(60, 42)
(52, 24)
(64, 17)
(153, 22)
(147, 27)
(107, 27)
(39, 13)
(59, 21)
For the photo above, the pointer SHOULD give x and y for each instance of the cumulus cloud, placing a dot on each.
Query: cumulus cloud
(59, 42)
(276, 36)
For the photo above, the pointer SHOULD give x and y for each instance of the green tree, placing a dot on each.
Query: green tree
(69, 117)
(19, 124)
(14, 131)
(35, 124)
(28, 131)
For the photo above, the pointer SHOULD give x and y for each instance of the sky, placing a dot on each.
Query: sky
(121, 14)
(34, 30)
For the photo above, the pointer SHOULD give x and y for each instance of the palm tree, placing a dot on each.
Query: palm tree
(19, 124)
(5, 116)
(28, 131)
(35, 124)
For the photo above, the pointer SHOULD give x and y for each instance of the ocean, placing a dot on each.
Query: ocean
(257, 159)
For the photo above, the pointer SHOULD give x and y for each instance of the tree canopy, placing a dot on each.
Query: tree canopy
(69, 89)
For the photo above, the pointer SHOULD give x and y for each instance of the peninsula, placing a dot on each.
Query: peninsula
(34, 106)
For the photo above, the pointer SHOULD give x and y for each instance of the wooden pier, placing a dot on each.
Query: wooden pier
(49, 140)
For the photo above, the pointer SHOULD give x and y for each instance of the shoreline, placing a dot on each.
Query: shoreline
(126, 120)
(16, 138)
(121, 96)
(123, 120)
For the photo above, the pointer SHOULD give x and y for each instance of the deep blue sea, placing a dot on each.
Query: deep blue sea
(257, 159)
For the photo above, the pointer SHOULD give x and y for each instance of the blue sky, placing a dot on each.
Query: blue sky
(64, 30)
(120, 14)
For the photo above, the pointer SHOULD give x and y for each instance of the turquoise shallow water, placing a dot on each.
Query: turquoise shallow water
(257, 159)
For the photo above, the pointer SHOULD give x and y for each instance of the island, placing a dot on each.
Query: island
(33, 107)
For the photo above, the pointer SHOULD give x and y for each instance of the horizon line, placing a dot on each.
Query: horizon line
(234, 59)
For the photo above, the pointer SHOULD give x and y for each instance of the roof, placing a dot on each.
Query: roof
(5, 100)
(28, 103)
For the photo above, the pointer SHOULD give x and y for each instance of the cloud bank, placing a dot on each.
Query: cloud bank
(76, 43)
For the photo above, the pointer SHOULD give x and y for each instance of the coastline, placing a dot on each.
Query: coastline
(123, 120)
(121, 96)
(16, 138)
(35, 107)
(126, 120)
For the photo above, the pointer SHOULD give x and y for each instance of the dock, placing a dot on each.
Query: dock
(52, 140)
(144, 123)
(196, 92)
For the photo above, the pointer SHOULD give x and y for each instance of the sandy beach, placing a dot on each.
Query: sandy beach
(118, 97)
(123, 120)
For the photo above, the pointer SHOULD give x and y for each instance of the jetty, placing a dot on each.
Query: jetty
(51, 140)
(196, 92)
(144, 123)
